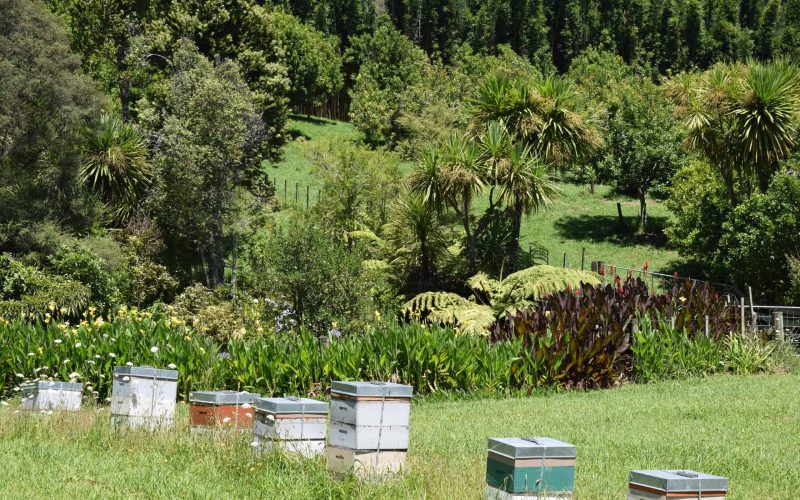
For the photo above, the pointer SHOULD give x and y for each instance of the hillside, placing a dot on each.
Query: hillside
(575, 220)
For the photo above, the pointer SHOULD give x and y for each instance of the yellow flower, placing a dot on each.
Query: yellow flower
(51, 306)
(63, 310)
(377, 316)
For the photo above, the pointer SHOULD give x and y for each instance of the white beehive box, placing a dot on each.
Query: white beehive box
(143, 397)
(365, 464)
(368, 437)
(56, 396)
(292, 424)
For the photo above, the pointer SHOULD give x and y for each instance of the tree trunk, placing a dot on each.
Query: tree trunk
(122, 78)
(642, 209)
(516, 224)
(468, 231)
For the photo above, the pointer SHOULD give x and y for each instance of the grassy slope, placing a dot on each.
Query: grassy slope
(744, 428)
(574, 221)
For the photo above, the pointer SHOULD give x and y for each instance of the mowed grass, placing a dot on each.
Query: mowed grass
(576, 220)
(744, 428)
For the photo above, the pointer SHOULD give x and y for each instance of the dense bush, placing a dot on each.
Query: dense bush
(77, 263)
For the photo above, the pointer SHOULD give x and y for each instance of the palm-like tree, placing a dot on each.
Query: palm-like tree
(525, 187)
(115, 163)
(462, 178)
(418, 240)
(765, 114)
(426, 179)
(547, 114)
(741, 118)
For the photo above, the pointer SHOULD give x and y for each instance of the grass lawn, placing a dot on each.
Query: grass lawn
(744, 428)
(576, 219)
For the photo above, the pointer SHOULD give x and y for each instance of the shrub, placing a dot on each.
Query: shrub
(319, 275)
(79, 264)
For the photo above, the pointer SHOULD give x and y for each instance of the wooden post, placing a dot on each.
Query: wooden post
(741, 309)
(672, 322)
(565, 260)
(777, 325)
(547, 257)
(707, 328)
(583, 257)
(285, 187)
(296, 191)
(319, 196)
(619, 211)
(307, 202)
(753, 319)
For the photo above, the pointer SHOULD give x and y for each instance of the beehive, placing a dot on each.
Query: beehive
(675, 485)
(369, 428)
(292, 424)
(221, 410)
(56, 396)
(143, 397)
(537, 467)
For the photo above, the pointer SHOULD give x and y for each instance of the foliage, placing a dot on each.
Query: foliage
(115, 164)
(358, 185)
(211, 150)
(417, 242)
(316, 273)
(793, 294)
(147, 281)
(45, 101)
(445, 308)
(741, 119)
(28, 292)
(524, 288)
(388, 63)
(212, 314)
(643, 143)
(81, 265)
(759, 235)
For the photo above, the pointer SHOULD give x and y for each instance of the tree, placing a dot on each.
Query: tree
(45, 101)
(103, 34)
(547, 114)
(742, 119)
(209, 151)
(388, 63)
(115, 164)
(525, 187)
(643, 145)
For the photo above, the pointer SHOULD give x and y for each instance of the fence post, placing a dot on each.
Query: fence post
(753, 318)
(565, 260)
(741, 310)
(777, 325)
(296, 191)
(319, 196)
(583, 257)
(672, 322)
(708, 332)
(285, 187)
(307, 202)
(547, 256)
(619, 211)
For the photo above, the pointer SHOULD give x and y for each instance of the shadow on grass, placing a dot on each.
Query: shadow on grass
(316, 120)
(608, 228)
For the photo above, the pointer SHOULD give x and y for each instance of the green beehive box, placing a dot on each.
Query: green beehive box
(531, 465)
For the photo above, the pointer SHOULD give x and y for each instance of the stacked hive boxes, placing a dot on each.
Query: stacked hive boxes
(675, 485)
(143, 396)
(58, 396)
(291, 424)
(221, 410)
(539, 467)
(368, 431)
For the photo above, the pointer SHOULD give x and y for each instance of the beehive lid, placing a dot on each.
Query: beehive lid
(379, 389)
(678, 480)
(47, 385)
(291, 404)
(146, 372)
(223, 397)
(532, 447)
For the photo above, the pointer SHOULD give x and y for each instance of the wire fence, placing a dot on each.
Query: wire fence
(295, 193)
(782, 321)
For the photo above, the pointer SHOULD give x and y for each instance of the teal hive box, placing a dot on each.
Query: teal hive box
(531, 465)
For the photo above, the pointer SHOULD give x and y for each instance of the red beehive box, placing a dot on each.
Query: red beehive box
(221, 409)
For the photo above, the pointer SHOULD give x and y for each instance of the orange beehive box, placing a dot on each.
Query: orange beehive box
(221, 409)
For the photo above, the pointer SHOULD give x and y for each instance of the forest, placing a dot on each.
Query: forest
(141, 142)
